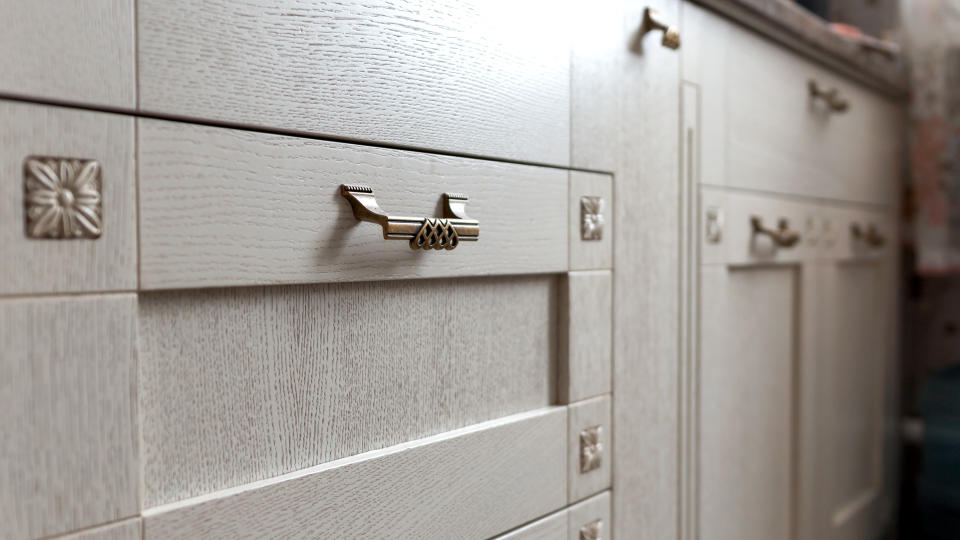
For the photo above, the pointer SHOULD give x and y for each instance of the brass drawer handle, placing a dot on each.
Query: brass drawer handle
(782, 236)
(871, 236)
(653, 21)
(423, 232)
(831, 97)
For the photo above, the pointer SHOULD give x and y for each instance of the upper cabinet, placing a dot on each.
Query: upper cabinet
(488, 78)
(772, 120)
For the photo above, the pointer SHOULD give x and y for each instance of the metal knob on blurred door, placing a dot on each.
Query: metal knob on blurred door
(653, 21)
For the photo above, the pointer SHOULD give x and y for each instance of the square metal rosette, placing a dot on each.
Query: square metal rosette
(591, 449)
(591, 218)
(63, 198)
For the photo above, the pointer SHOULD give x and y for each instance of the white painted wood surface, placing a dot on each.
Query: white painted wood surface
(228, 207)
(588, 511)
(761, 130)
(68, 413)
(76, 51)
(278, 379)
(584, 349)
(128, 529)
(37, 266)
(747, 406)
(552, 527)
(478, 77)
(590, 254)
(469, 483)
(584, 415)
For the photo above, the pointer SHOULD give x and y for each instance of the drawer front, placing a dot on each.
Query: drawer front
(761, 128)
(469, 483)
(227, 207)
(476, 77)
(55, 162)
(77, 51)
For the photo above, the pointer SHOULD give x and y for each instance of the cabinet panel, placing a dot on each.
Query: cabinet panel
(78, 51)
(476, 77)
(224, 207)
(278, 379)
(747, 408)
(470, 483)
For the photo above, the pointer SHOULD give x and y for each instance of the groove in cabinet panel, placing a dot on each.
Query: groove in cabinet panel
(239, 385)
(224, 207)
(469, 483)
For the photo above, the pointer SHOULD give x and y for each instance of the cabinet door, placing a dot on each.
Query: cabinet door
(856, 326)
(749, 354)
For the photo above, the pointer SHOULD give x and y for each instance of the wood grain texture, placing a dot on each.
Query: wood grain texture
(229, 207)
(479, 77)
(552, 527)
(588, 511)
(68, 413)
(748, 401)
(30, 265)
(584, 351)
(469, 483)
(78, 51)
(279, 379)
(583, 415)
(128, 529)
(590, 254)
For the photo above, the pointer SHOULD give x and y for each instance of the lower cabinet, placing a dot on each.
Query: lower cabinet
(792, 307)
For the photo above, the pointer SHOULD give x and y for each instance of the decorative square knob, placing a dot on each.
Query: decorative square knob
(62, 197)
(591, 218)
(592, 530)
(591, 449)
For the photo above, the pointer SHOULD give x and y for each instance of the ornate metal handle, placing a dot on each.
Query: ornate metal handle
(653, 21)
(782, 236)
(422, 232)
(831, 97)
(871, 236)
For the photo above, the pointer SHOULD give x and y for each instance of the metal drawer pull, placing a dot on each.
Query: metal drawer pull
(831, 97)
(782, 236)
(422, 232)
(653, 21)
(872, 236)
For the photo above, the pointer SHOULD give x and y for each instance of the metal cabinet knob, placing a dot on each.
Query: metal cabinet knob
(831, 97)
(782, 236)
(653, 21)
(443, 233)
(871, 236)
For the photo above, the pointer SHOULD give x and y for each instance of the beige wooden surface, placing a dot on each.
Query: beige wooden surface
(278, 379)
(590, 254)
(583, 349)
(586, 512)
(747, 405)
(76, 51)
(68, 400)
(228, 207)
(478, 77)
(584, 415)
(761, 130)
(128, 529)
(552, 527)
(40, 266)
(470, 483)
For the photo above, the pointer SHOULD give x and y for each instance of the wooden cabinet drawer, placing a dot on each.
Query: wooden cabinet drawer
(222, 207)
(86, 165)
(476, 77)
(760, 127)
(73, 51)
